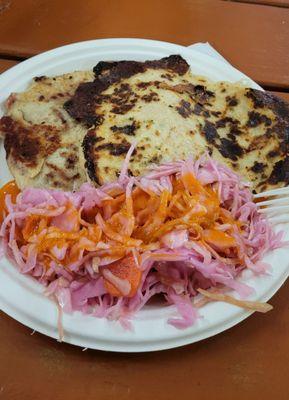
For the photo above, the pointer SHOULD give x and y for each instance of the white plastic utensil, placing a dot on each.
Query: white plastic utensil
(275, 205)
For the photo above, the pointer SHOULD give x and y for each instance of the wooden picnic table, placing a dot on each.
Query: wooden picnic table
(250, 360)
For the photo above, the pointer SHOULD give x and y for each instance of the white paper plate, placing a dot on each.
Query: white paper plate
(23, 299)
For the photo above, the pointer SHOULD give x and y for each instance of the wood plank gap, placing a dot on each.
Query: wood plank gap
(12, 57)
(275, 88)
(261, 3)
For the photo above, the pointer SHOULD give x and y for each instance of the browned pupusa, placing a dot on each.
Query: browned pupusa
(172, 114)
(42, 142)
(64, 130)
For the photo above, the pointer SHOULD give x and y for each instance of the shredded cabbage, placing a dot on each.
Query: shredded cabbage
(183, 228)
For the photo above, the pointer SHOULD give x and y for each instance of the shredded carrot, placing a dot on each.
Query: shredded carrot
(218, 238)
(31, 226)
(127, 221)
(10, 188)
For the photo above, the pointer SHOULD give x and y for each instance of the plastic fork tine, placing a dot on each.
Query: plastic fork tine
(270, 210)
(279, 219)
(278, 201)
(274, 192)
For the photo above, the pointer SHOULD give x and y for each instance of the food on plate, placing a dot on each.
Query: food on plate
(129, 183)
(42, 142)
(67, 129)
(174, 114)
(184, 228)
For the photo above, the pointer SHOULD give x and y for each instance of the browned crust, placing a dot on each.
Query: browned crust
(280, 108)
(129, 130)
(83, 104)
(88, 144)
(197, 92)
(228, 147)
(278, 128)
(263, 99)
(91, 149)
(184, 109)
(27, 145)
(280, 172)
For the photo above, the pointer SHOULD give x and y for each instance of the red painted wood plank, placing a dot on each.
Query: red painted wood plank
(283, 95)
(274, 3)
(253, 37)
(5, 64)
